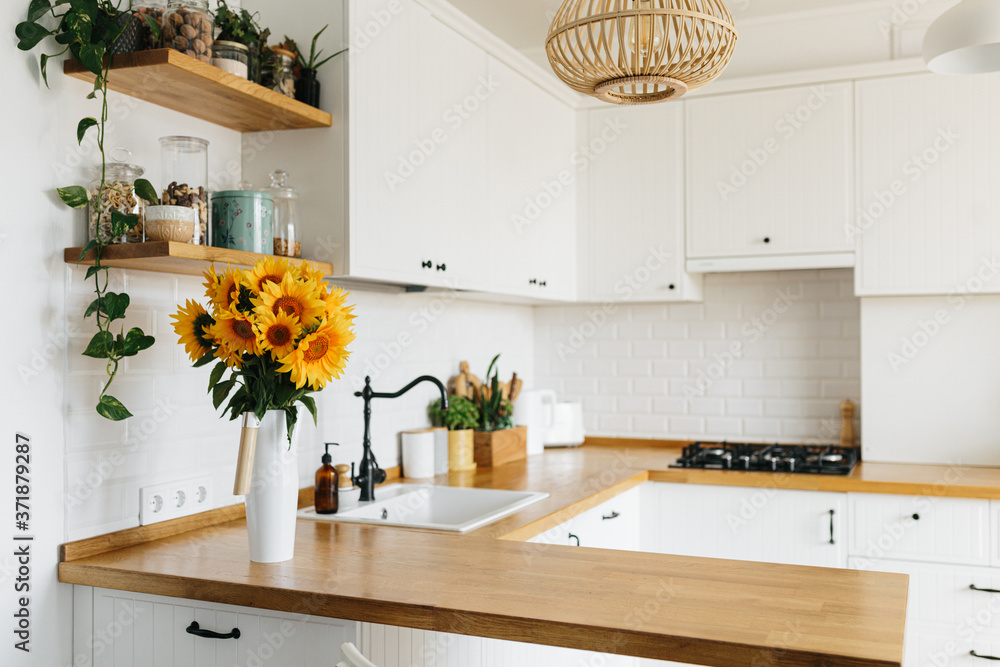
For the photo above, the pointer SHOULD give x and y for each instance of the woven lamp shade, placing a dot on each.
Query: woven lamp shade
(640, 51)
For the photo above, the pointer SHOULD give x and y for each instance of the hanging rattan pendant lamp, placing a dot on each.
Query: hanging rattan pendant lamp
(640, 51)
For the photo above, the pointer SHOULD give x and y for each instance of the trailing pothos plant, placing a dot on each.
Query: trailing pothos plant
(88, 30)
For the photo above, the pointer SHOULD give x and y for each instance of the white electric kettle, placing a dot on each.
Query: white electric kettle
(550, 423)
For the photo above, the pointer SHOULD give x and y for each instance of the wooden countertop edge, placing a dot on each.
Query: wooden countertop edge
(630, 642)
(536, 528)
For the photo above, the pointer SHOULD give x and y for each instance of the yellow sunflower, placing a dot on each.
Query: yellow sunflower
(270, 271)
(336, 303)
(277, 332)
(307, 273)
(193, 325)
(223, 289)
(320, 356)
(235, 334)
(232, 358)
(292, 297)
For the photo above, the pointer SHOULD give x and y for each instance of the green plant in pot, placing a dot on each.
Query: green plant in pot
(461, 418)
(498, 440)
(244, 28)
(307, 87)
(90, 30)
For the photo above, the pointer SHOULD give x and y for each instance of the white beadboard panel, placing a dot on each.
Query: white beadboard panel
(759, 524)
(928, 380)
(774, 164)
(176, 435)
(784, 383)
(932, 529)
(382, 645)
(941, 594)
(929, 183)
(138, 630)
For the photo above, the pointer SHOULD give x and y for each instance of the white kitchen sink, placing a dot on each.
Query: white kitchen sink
(451, 508)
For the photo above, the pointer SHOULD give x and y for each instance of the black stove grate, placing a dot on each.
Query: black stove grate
(807, 459)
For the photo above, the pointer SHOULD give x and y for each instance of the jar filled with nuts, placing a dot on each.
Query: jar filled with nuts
(188, 28)
(118, 194)
(153, 9)
(185, 168)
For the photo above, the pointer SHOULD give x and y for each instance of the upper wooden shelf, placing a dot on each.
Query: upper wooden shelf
(170, 257)
(182, 83)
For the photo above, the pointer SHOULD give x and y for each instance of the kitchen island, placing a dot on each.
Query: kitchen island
(490, 583)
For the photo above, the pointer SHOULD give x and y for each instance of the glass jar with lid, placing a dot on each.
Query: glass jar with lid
(153, 9)
(231, 57)
(185, 171)
(117, 195)
(286, 203)
(279, 73)
(188, 28)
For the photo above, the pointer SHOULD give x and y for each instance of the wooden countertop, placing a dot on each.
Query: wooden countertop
(697, 610)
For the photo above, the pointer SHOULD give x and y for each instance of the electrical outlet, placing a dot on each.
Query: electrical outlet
(174, 500)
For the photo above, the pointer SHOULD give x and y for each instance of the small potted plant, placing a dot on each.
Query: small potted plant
(307, 86)
(242, 27)
(461, 418)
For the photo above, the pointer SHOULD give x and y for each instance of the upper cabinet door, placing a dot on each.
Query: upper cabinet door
(532, 189)
(635, 205)
(418, 127)
(770, 174)
(929, 205)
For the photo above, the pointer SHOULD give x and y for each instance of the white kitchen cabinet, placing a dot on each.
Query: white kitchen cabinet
(614, 524)
(532, 190)
(929, 200)
(937, 530)
(633, 167)
(770, 179)
(121, 629)
(766, 524)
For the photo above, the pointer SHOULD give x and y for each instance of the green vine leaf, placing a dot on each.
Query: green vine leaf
(75, 196)
(111, 408)
(100, 345)
(154, 27)
(94, 307)
(92, 57)
(94, 270)
(145, 190)
(43, 64)
(84, 125)
(135, 342)
(37, 9)
(30, 34)
(115, 305)
(87, 248)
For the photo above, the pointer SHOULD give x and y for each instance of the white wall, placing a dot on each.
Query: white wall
(672, 371)
(929, 369)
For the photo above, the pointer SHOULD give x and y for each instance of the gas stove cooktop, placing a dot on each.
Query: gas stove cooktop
(808, 459)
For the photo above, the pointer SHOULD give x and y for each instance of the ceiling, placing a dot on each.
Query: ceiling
(525, 23)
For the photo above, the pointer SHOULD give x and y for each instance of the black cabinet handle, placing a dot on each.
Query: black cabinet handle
(574, 537)
(767, 239)
(533, 281)
(672, 286)
(428, 264)
(195, 629)
(916, 517)
(984, 657)
(613, 515)
(983, 590)
(442, 267)
(832, 514)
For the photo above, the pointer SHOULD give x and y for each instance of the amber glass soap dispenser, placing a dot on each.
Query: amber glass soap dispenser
(327, 481)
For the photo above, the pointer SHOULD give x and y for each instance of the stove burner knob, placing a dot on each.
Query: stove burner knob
(791, 464)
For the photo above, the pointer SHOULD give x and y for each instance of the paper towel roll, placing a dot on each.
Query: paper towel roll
(418, 454)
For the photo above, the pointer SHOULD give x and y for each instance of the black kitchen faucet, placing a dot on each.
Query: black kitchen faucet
(369, 474)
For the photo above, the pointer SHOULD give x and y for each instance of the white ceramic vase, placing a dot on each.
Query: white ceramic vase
(273, 500)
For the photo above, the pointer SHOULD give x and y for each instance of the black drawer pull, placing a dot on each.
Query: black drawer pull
(442, 267)
(613, 515)
(195, 629)
(574, 537)
(832, 514)
(984, 657)
(916, 517)
(983, 590)
(428, 264)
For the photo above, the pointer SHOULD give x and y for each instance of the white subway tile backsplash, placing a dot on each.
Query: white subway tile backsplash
(635, 405)
(798, 358)
(635, 367)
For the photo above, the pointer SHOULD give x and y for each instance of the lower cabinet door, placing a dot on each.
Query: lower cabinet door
(137, 630)
(937, 647)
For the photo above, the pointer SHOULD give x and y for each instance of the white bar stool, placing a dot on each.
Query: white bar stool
(353, 657)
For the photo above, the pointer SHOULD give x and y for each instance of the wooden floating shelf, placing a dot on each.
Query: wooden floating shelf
(171, 257)
(177, 81)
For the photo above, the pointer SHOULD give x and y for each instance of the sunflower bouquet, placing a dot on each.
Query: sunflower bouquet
(277, 329)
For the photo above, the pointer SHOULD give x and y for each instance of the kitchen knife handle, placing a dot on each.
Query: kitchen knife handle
(984, 657)
(983, 590)
(244, 462)
(833, 513)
